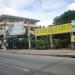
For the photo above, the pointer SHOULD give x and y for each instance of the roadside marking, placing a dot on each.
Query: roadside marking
(15, 67)
(26, 70)
(20, 68)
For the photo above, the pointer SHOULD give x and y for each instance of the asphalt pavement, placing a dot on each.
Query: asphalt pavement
(19, 64)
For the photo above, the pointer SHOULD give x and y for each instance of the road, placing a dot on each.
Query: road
(19, 64)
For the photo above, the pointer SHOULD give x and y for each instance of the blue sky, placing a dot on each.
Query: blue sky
(43, 10)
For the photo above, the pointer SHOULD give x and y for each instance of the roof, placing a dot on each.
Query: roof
(18, 18)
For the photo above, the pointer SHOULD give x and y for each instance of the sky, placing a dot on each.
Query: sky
(43, 10)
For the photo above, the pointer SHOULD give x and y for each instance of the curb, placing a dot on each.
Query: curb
(70, 56)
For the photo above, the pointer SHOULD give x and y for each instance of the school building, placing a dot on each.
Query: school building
(17, 32)
(58, 36)
(24, 33)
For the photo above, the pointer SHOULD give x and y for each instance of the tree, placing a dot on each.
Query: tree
(66, 17)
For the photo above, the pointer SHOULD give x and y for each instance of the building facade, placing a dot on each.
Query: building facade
(29, 26)
(58, 36)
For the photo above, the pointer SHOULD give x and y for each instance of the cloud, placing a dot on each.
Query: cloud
(52, 4)
(11, 7)
(16, 4)
(71, 6)
(44, 10)
(8, 11)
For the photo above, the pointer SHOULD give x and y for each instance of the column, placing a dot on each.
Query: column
(51, 41)
(73, 40)
(35, 37)
(73, 35)
(4, 38)
(29, 42)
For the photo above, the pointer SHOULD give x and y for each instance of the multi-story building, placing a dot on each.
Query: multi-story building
(29, 24)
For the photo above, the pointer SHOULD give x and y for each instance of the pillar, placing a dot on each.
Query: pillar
(51, 41)
(29, 42)
(35, 37)
(73, 34)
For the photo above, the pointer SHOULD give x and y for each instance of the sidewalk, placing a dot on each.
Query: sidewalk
(62, 53)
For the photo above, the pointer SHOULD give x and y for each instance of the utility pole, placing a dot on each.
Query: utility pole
(4, 38)
(73, 34)
(35, 37)
(29, 42)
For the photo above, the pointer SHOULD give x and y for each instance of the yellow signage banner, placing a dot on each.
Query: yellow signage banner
(57, 29)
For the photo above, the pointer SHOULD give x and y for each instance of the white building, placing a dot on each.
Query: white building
(29, 24)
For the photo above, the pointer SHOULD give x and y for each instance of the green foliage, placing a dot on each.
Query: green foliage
(17, 43)
(62, 43)
(57, 43)
(64, 18)
(42, 44)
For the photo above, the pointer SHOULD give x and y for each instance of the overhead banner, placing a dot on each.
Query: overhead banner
(57, 29)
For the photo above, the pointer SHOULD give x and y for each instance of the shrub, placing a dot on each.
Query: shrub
(42, 44)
